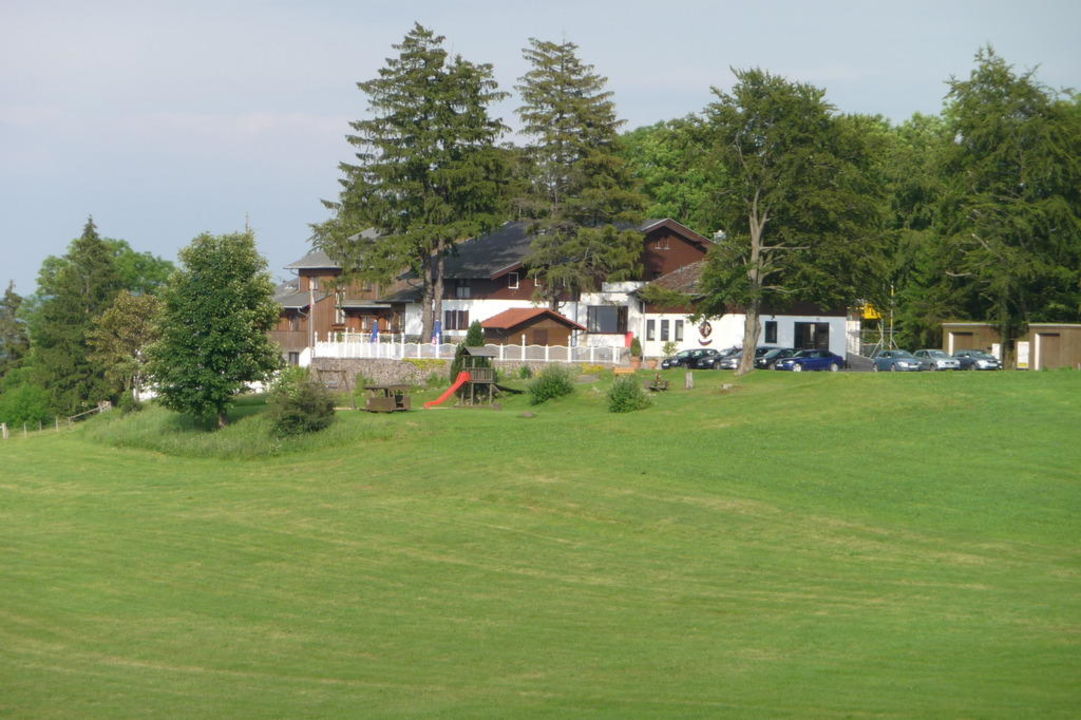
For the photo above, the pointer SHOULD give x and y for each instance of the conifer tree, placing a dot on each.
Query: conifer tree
(76, 289)
(428, 172)
(580, 193)
(14, 342)
(1012, 208)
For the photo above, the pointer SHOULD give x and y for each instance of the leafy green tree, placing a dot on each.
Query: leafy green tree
(119, 339)
(22, 400)
(474, 337)
(141, 273)
(428, 171)
(581, 194)
(667, 160)
(298, 404)
(75, 289)
(14, 341)
(216, 312)
(799, 205)
(1012, 207)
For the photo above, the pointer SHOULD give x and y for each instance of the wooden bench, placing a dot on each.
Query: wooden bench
(623, 371)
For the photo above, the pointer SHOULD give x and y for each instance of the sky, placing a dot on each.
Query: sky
(164, 120)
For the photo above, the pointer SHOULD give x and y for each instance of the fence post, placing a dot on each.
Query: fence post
(546, 352)
(4, 430)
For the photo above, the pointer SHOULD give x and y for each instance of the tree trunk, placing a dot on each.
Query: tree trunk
(438, 266)
(223, 419)
(426, 310)
(757, 224)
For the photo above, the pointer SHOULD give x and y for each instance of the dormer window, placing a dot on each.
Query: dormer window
(512, 280)
(461, 291)
(313, 283)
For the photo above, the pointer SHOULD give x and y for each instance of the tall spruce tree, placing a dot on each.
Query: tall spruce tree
(216, 312)
(428, 171)
(1012, 207)
(799, 208)
(75, 289)
(580, 194)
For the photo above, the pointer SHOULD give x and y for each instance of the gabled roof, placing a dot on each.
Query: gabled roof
(490, 255)
(314, 260)
(683, 280)
(518, 316)
(676, 227)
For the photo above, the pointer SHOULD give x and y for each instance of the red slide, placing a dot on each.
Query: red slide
(462, 379)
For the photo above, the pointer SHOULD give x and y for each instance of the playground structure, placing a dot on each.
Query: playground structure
(477, 378)
(387, 398)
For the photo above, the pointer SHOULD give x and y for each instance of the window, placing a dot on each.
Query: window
(294, 358)
(461, 291)
(294, 322)
(679, 331)
(664, 331)
(313, 283)
(456, 320)
(650, 329)
(661, 243)
(606, 319)
(771, 331)
(512, 280)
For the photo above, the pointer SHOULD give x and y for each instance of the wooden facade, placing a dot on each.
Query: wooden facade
(536, 326)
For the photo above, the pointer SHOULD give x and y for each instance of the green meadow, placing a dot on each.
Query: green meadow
(794, 546)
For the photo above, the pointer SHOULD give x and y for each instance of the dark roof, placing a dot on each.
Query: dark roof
(518, 316)
(490, 255)
(288, 296)
(314, 260)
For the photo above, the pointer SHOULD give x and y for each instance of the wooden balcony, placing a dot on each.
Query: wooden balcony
(290, 340)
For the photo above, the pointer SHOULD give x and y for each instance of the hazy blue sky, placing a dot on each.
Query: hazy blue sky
(167, 119)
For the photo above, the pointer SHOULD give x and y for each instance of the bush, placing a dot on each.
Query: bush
(554, 381)
(627, 395)
(297, 404)
(23, 402)
(636, 347)
(525, 372)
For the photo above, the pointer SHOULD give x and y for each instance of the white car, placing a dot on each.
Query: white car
(940, 359)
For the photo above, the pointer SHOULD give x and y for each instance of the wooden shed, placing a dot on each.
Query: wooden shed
(1047, 345)
(540, 326)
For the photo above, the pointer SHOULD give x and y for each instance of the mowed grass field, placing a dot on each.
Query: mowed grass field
(799, 546)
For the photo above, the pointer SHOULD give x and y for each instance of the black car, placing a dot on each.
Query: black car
(766, 360)
(707, 360)
(685, 358)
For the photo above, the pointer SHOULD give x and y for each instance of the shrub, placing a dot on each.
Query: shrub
(554, 381)
(636, 347)
(525, 372)
(627, 395)
(297, 404)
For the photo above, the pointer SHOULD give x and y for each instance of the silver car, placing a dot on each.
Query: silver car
(940, 359)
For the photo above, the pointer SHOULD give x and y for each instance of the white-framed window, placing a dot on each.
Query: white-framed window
(678, 330)
(664, 330)
(651, 329)
(313, 283)
(461, 290)
(512, 280)
(661, 243)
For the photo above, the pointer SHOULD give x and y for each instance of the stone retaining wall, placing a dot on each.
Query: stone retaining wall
(404, 372)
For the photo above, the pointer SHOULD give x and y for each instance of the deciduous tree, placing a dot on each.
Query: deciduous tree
(216, 312)
(798, 207)
(119, 339)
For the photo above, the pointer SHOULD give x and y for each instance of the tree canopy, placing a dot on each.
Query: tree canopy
(216, 312)
(798, 204)
(427, 173)
(580, 194)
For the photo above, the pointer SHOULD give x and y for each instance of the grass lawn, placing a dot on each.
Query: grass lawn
(816, 545)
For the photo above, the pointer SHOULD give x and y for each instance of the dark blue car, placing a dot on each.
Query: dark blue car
(811, 360)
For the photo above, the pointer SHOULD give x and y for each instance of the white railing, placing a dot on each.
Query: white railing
(361, 346)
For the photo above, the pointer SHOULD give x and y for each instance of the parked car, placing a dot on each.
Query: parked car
(811, 360)
(684, 358)
(768, 359)
(900, 361)
(707, 360)
(940, 359)
(977, 360)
